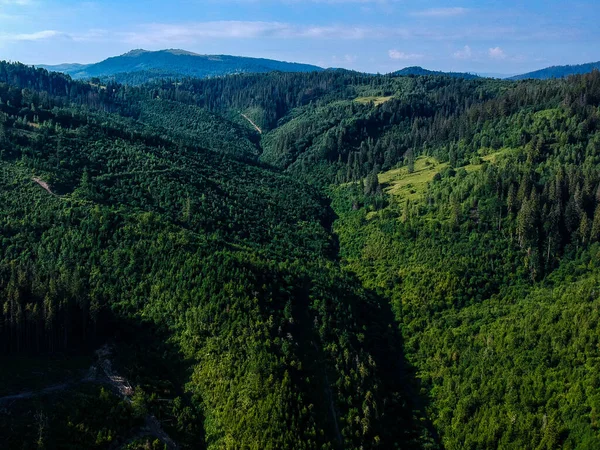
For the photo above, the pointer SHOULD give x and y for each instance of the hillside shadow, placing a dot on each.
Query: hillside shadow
(384, 342)
(332, 315)
(145, 354)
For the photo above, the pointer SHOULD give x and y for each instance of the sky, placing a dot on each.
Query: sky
(485, 36)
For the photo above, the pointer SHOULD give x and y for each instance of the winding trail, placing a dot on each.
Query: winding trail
(44, 185)
(110, 377)
(256, 127)
(121, 386)
(30, 394)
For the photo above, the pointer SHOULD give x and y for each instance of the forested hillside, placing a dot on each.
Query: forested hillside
(487, 250)
(559, 71)
(395, 262)
(232, 265)
(417, 70)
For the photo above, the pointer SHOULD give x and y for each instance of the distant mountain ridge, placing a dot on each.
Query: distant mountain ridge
(140, 66)
(175, 62)
(417, 70)
(558, 71)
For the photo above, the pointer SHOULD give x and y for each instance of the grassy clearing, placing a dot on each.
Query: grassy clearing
(411, 186)
(494, 157)
(404, 185)
(376, 100)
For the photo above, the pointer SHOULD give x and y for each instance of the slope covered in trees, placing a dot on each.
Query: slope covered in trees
(417, 70)
(559, 71)
(492, 270)
(231, 264)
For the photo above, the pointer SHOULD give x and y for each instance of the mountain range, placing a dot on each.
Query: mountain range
(140, 66)
(175, 63)
(558, 71)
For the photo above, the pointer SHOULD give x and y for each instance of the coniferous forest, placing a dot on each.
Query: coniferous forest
(318, 260)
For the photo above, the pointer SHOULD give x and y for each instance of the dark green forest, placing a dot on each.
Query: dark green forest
(390, 262)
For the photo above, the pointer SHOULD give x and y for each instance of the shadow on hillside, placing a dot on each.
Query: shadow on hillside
(145, 354)
(338, 330)
(384, 342)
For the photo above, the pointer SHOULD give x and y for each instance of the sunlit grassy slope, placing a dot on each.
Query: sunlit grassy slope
(376, 100)
(410, 186)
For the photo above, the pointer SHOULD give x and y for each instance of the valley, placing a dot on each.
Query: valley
(309, 260)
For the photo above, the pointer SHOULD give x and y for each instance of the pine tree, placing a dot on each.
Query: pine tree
(595, 231)
(453, 158)
(455, 212)
(526, 221)
(409, 157)
(572, 215)
(584, 229)
(524, 189)
(511, 200)
(372, 183)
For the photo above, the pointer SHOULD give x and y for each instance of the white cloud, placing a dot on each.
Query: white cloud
(191, 32)
(440, 12)
(398, 55)
(91, 35)
(465, 53)
(37, 36)
(16, 2)
(496, 53)
(347, 59)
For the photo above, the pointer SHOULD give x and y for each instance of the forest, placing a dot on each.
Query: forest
(399, 261)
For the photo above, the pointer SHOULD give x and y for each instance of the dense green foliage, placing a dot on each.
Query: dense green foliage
(248, 315)
(416, 70)
(64, 420)
(492, 272)
(232, 264)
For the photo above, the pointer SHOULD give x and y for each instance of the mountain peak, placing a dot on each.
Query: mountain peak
(147, 65)
(172, 51)
(178, 51)
(135, 52)
(559, 71)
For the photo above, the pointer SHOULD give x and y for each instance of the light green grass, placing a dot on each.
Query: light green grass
(410, 186)
(376, 100)
(494, 157)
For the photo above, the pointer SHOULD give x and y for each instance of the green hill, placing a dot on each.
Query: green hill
(419, 71)
(558, 71)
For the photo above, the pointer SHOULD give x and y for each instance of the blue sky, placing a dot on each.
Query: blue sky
(370, 35)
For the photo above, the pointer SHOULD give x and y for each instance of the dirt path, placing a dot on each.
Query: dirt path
(252, 123)
(117, 383)
(30, 394)
(44, 185)
(120, 384)
(90, 377)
